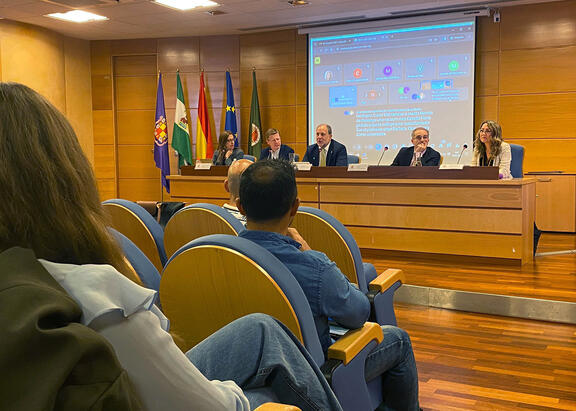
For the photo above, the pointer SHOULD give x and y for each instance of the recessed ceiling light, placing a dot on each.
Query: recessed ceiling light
(298, 2)
(77, 16)
(186, 4)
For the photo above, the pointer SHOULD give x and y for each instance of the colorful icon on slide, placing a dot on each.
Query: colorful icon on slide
(387, 71)
(403, 90)
(357, 73)
(453, 65)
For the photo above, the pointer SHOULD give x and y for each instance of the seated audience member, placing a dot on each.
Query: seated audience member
(226, 152)
(326, 151)
(268, 198)
(232, 186)
(419, 154)
(54, 210)
(491, 150)
(275, 150)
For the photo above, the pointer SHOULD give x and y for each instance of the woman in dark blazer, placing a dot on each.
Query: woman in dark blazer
(226, 152)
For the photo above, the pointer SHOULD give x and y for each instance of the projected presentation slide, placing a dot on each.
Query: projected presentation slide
(375, 87)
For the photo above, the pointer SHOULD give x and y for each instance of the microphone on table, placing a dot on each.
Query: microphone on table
(464, 147)
(385, 149)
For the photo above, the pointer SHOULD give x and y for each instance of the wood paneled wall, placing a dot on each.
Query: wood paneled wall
(57, 67)
(525, 80)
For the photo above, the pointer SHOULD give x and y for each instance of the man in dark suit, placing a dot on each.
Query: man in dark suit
(276, 150)
(326, 151)
(419, 154)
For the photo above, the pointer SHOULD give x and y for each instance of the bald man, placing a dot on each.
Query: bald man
(232, 186)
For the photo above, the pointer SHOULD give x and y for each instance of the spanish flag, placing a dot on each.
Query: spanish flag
(203, 134)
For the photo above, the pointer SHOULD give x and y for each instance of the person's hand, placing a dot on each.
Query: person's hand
(228, 153)
(295, 235)
(421, 146)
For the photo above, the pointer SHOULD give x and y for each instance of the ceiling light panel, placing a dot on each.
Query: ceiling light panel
(77, 16)
(186, 4)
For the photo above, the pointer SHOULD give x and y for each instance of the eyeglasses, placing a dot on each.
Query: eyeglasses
(485, 130)
(421, 138)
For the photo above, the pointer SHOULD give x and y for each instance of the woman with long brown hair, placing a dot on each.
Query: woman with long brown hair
(51, 206)
(226, 152)
(491, 150)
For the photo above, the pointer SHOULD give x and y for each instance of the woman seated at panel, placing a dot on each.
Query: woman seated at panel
(226, 153)
(491, 150)
(53, 209)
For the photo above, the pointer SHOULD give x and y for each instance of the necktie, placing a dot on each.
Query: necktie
(323, 157)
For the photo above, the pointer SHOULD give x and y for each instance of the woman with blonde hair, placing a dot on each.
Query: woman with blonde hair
(491, 150)
(226, 152)
(52, 208)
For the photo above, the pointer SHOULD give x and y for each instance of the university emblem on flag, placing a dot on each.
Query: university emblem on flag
(160, 135)
(183, 123)
(255, 134)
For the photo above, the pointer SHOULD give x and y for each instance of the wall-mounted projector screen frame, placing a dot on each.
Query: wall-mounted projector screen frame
(375, 84)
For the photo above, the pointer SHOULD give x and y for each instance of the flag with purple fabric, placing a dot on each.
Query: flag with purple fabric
(161, 157)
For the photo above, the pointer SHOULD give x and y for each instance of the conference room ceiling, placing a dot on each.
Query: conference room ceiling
(129, 19)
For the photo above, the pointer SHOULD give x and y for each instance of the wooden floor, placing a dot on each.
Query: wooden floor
(480, 362)
(549, 277)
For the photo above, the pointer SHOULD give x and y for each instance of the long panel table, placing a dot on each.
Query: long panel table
(465, 212)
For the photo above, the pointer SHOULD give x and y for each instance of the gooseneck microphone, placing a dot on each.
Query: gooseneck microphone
(464, 147)
(385, 149)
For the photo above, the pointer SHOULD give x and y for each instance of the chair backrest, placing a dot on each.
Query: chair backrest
(517, 163)
(352, 159)
(249, 157)
(326, 234)
(213, 280)
(198, 220)
(296, 157)
(146, 271)
(139, 226)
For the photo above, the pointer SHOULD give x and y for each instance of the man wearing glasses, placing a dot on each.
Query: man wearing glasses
(419, 154)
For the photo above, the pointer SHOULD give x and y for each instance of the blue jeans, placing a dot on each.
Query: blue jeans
(266, 361)
(393, 359)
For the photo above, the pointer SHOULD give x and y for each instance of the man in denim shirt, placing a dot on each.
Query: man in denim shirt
(268, 198)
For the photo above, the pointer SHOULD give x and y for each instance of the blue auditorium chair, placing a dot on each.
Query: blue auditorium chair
(139, 226)
(249, 157)
(146, 271)
(198, 220)
(352, 159)
(517, 163)
(214, 280)
(325, 233)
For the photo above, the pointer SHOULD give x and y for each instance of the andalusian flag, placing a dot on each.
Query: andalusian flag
(230, 124)
(181, 134)
(203, 134)
(161, 157)
(255, 131)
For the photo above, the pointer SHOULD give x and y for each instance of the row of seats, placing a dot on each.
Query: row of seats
(212, 280)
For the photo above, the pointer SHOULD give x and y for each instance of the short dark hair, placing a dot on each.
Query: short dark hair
(268, 190)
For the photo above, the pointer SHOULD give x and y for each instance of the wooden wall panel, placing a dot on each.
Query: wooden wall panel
(301, 50)
(135, 126)
(548, 154)
(216, 89)
(106, 189)
(135, 65)
(136, 93)
(101, 92)
(218, 53)
(268, 90)
(302, 85)
(268, 50)
(538, 70)
(104, 161)
(141, 189)
(538, 25)
(302, 124)
(137, 161)
(281, 118)
(101, 57)
(487, 74)
(487, 35)
(136, 46)
(103, 121)
(538, 116)
(190, 87)
(178, 53)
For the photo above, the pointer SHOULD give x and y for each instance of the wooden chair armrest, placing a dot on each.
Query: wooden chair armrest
(274, 406)
(386, 279)
(351, 343)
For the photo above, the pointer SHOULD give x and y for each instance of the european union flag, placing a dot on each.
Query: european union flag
(231, 110)
(161, 137)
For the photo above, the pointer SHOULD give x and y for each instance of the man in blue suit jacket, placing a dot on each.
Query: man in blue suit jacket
(335, 153)
(419, 153)
(276, 150)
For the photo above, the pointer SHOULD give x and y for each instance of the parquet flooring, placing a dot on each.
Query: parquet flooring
(479, 362)
(548, 277)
